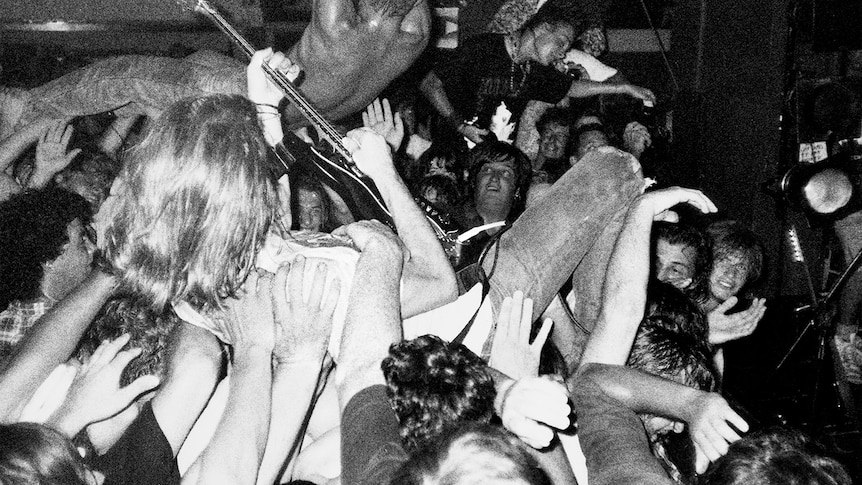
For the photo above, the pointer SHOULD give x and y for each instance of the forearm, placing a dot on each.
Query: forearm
(432, 88)
(235, 452)
(17, 143)
(112, 139)
(51, 341)
(293, 388)
(585, 89)
(624, 294)
(374, 298)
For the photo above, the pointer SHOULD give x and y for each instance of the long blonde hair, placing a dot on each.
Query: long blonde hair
(197, 204)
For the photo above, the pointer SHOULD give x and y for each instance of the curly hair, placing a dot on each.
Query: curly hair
(35, 453)
(34, 231)
(433, 385)
(149, 331)
(776, 455)
(196, 204)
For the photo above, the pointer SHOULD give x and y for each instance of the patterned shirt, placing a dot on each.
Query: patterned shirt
(17, 318)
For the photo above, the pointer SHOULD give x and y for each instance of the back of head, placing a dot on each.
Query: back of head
(473, 454)
(34, 232)
(776, 456)
(32, 453)
(434, 385)
(195, 205)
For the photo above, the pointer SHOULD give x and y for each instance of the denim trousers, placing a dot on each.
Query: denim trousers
(570, 232)
(130, 85)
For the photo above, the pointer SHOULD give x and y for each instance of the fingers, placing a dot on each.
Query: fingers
(504, 322)
(542, 336)
(534, 434)
(331, 300)
(279, 285)
(317, 285)
(726, 305)
(378, 110)
(107, 351)
(139, 386)
(701, 462)
(259, 56)
(366, 120)
(294, 283)
(387, 109)
(525, 319)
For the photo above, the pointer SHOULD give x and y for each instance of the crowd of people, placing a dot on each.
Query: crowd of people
(184, 301)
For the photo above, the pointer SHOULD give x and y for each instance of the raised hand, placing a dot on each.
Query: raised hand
(511, 351)
(96, 393)
(724, 328)
(378, 116)
(709, 418)
(532, 408)
(249, 320)
(303, 325)
(370, 152)
(660, 202)
(52, 153)
(261, 90)
(373, 235)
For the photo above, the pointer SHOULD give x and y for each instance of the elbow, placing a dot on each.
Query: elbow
(430, 84)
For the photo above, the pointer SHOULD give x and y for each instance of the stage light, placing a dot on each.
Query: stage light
(825, 190)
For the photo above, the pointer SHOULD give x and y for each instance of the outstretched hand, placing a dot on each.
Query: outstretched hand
(709, 418)
(52, 153)
(724, 328)
(303, 324)
(658, 203)
(511, 351)
(379, 118)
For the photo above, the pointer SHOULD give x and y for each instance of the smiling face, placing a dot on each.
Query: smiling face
(553, 141)
(310, 210)
(674, 263)
(551, 42)
(729, 275)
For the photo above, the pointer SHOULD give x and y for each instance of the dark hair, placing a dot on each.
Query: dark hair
(447, 191)
(34, 231)
(490, 151)
(301, 180)
(692, 237)
(97, 170)
(472, 453)
(148, 330)
(433, 385)
(731, 237)
(34, 453)
(671, 342)
(553, 115)
(776, 455)
(453, 156)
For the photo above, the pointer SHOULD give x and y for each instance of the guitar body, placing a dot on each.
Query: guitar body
(360, 193)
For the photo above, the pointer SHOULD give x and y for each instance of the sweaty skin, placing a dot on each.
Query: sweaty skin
(350, 54)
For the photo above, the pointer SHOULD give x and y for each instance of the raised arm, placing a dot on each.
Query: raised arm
(624, 295)
(428, 277)
(432, 88)
(585, 89)
(50, 342)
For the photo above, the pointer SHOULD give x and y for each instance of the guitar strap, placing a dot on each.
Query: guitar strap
(475, 274)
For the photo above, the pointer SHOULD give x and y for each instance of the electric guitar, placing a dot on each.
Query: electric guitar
(335, 169)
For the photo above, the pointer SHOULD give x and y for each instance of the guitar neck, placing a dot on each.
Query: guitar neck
(290, 91)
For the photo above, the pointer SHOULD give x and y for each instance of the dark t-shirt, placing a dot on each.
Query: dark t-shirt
(141, 456)
(371, 449)
(481, 74)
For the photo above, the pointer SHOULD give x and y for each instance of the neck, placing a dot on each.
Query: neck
(514, 45)
(493, 212)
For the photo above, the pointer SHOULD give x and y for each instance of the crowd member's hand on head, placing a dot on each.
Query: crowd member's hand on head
(724, 327)
(379, 118)
(638, 92)
(533, 408)
(249, 320)
(511, 351)
(709, 417)
(52, 153)
(303, 325)
(659, 202)
(636, 138)
(96, 394)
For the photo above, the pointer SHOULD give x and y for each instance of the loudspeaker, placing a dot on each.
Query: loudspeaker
(836, 25)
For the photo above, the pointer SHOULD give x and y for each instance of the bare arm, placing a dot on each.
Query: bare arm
(50, 342)
(194, 358)
(432, 88)
(585, 89)
(17, 143)
(416, 25)
(624, 294)
(428, 277)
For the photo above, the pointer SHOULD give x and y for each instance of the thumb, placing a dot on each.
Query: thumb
(72, 154)
(139, 386)
(727, 305)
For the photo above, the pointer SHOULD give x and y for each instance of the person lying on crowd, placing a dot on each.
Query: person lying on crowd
(349, 51)
(514, 68)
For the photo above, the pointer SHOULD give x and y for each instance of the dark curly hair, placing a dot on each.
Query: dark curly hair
(35, 453)
(433, 385)
(149, 331)
(33, 231)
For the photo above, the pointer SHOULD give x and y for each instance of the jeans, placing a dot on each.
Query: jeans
(571, 231)
(132, 85)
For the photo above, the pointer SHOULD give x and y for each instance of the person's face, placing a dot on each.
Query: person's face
(728, 276)
(310, 211)
(553, 141)
(590, 141)
(73, 264)
(674, 264)
(495, 183)
(551, 43)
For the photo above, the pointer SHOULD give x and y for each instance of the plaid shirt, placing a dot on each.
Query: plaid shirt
(16, 319)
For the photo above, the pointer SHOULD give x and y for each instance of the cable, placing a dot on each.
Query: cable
(661, 47)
